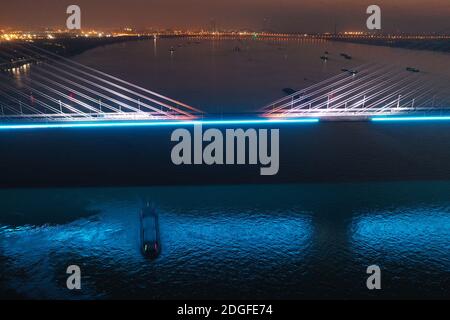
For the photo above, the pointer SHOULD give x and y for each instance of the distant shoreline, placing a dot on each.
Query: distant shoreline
(69, 47)
(64, 47)
(428, 45)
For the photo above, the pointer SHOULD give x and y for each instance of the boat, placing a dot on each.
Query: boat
(172, 50)
(352, 72)
(346, 56)
(150, 238)
(324, 58)
(411, 69)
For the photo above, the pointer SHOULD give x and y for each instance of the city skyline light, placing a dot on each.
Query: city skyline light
(407, 16)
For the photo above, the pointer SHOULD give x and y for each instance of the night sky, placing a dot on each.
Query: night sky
(276, 15)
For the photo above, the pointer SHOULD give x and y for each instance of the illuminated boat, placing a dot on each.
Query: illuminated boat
(150, 240)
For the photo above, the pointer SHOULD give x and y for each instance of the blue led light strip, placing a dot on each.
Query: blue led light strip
(424, 118)
(151, 123)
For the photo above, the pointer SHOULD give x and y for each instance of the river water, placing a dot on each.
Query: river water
(238, 241)
(279, 241)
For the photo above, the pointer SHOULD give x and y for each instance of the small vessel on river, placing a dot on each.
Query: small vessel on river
(150, 238)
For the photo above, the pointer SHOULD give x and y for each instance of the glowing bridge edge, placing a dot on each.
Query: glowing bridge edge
(424, 118)
(151, 123)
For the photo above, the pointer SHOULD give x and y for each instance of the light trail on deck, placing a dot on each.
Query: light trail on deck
(118, 124)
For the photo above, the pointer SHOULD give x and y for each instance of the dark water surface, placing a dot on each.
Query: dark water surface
(279, 241)
(256, 241)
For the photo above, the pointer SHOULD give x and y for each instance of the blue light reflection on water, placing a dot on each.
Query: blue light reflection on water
(193, 240)
(281, 241)
(416, 234)
(42, 252)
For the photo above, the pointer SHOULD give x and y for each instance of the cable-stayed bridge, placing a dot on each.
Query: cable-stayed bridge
(368, 90)
(57, 89)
